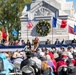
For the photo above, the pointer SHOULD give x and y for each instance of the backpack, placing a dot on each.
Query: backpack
(1, 65)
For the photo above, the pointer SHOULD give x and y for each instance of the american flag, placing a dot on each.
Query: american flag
(29, 25)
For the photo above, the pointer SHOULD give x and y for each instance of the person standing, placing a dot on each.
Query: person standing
(36, 42)
(28, 44)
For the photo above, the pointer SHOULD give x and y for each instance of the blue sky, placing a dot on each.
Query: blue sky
(73, 1)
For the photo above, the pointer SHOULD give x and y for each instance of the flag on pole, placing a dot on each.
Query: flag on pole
(70, 29)
(29, 24)
(54, 22)
(4, 35)
(63, 24)
(15, 33)
(59, 23)
(74, 29)
(27, 7)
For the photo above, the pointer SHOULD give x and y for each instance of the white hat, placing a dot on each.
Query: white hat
(42, 54)
(56, 55)
(48, 57)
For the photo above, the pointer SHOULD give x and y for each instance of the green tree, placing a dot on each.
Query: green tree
(10, 12)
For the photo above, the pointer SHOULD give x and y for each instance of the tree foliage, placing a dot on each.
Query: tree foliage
(10, 12)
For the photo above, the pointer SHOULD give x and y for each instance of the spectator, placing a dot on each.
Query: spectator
(43, 49)
(20, 42)
(47, 42)
(29, 62)
(62, 62)
(49, 60)
(71, 68)
(17, 54)
(62, 49)
(23, 42)
(35, 58)
(28, 44)
(7, 65)
(16, 42)
(38, 63)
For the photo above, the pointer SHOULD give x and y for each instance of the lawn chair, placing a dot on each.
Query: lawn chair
(28, 70)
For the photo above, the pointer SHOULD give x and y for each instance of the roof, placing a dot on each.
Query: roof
(62, 13)
(67, 5)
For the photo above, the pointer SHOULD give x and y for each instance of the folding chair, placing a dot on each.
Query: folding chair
(28, 70)
(16, 70)
(71, 70)
(62, 70)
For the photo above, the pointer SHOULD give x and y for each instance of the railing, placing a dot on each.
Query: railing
(52, 45)
(14, 48)
(11, 48)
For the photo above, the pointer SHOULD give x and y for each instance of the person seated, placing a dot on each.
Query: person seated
(74, 60)
(62, 65)
(57, 42)
(62, 62)
(7, 66)
(47, 42)
(37, 61)
(49, 60)
(46, 70)
(71, 69)
(73, 41)
(30, 63)
(63, 42)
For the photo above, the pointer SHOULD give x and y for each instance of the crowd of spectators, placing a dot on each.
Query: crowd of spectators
(55, 57)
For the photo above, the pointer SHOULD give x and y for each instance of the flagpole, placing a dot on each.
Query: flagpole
(27, 24)
(68, 31)
(27, 28)
(52, 30)
(52, 35)
(27, 33)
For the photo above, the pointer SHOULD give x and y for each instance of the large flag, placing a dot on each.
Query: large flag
(70, 29)
(29, 24)
(27, 7)
(4, 35)
(74, 29)
(59, 23)
(15, 33)
(63, 24)
(54, 22)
